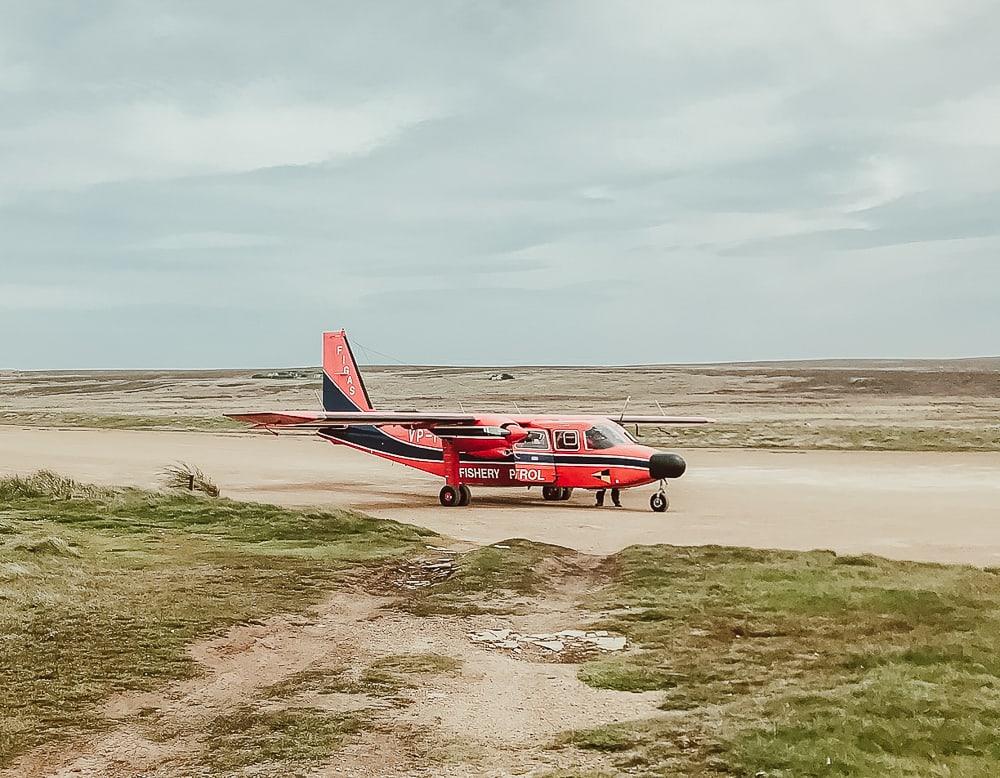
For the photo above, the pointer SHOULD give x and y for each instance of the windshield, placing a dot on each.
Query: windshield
(606, 436)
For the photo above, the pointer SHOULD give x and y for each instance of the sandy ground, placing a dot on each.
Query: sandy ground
(942, 507)
(497, 714)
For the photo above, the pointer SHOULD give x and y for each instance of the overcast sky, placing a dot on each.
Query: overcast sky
(213, 184)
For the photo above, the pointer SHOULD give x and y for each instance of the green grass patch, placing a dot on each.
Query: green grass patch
(627, 675)
(611, 738)
(384, 677)
(313, 681)
(291, 739)
(101, 590)
(417, 663)
(391, 674)
(491, 578)
(774, 662)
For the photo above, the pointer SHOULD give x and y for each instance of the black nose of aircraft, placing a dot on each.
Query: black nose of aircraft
(666, 466)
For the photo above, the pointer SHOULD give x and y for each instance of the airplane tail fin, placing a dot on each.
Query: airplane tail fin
(343, 387)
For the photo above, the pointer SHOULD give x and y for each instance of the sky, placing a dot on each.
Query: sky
(192, 184)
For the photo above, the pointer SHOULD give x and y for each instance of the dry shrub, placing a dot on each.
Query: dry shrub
(184, 476)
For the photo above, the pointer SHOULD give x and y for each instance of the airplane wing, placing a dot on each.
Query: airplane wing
(661, 420)
(297, 420)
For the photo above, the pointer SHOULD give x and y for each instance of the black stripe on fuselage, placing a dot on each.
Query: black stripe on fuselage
(614, 461)
(378, 440)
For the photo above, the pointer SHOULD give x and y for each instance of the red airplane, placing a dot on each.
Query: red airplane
(560, 453)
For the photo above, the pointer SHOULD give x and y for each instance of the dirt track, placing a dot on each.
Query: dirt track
(941, 507)
(528, 703)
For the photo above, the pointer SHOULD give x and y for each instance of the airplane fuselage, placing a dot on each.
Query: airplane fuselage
(575, 452)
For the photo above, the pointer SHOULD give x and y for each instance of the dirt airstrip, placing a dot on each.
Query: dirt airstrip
(932, 506)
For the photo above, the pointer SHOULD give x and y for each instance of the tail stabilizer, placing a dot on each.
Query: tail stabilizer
(343, 387)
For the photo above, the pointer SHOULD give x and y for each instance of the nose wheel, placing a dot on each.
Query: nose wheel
(659, 502)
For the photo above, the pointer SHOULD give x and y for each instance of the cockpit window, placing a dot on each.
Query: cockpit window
(535, 439)
(602, 436)
(567, 440)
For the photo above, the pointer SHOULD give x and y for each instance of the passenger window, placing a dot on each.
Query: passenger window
(536, 439)
(567, 439)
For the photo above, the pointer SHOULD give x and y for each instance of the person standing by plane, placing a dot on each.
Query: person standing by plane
(616, 498)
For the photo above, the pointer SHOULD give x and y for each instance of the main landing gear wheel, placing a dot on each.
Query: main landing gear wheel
(567, 492)
(450, 496)
(659, 502)
(552, 493)
(464, 495)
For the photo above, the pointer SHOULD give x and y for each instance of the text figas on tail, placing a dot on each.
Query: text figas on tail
(343, 387)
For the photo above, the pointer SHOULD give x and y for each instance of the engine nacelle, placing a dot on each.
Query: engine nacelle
(516, 434)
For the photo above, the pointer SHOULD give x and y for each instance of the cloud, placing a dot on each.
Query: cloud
(30, 297)
(720, 180)
(192, 241)
(155, 140)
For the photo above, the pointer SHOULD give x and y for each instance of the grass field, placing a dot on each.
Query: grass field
(766, 435)
(119, 421)
(102, 589)
(776, 663)
(803, 663)
(768, 663)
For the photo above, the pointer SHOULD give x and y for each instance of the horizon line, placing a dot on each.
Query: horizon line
(494, 366)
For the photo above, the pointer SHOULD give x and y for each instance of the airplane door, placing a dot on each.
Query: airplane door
(567, 440)
(533, 460)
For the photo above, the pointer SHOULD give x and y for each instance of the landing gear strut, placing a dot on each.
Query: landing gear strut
(450, 496)
(452, 493)
(659, 502)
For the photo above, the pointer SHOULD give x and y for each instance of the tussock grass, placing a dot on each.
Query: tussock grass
(773, 662)
(49, 485)
(101, 590)
(184, 476)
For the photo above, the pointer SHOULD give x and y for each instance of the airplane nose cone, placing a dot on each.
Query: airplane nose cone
(666, 466)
